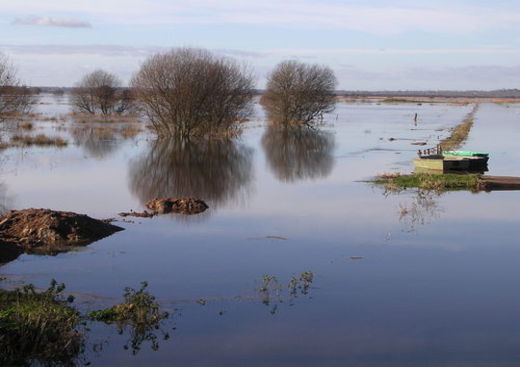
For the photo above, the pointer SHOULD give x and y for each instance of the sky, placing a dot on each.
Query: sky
(370, 44)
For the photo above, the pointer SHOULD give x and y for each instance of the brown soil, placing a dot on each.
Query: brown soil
(49, 231)
(175, 205)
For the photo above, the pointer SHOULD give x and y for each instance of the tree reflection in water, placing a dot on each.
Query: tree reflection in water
(298, 153)
(216, 171)
(98, 142)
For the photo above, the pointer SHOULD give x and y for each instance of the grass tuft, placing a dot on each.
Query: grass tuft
(435, 182)
(38, 326)
(39, 140)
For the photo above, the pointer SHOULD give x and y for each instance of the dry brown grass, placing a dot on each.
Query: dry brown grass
(130, 131)
(389, 176)
(39, 140)
(26, 125)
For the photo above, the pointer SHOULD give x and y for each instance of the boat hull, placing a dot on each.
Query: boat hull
(446, 165)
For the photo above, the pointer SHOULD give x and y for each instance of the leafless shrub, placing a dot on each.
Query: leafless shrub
(190, 92)
(299, 93)
(101, 93)
(15, 98)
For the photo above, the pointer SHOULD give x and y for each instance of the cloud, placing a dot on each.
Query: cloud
(52, 22)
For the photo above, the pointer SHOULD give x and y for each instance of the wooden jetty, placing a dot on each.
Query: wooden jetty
(498, 183)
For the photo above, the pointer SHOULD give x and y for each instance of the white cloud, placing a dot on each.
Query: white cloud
(52, 22)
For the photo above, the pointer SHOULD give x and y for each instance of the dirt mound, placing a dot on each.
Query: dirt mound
(48, 230)
(176, 205)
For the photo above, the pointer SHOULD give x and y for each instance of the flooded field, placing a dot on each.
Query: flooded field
(298, 261)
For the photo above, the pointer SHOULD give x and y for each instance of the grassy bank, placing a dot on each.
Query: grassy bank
(460, 133)
(437, 182)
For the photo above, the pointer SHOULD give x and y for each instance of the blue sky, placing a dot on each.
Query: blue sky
(370, 44)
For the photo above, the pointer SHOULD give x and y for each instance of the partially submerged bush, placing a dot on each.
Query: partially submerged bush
(193, 92)
(38, 326)
(15, 98)
(299, 93)
(140, 311)
(101, 93)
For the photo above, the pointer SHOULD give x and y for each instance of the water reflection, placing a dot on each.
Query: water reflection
(421, 208)
(299, 154)
(216, 171)
(98, 142)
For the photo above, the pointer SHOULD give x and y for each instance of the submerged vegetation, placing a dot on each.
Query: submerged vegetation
(437, 182)
(42, 327)
(271, 290)
(140, 313)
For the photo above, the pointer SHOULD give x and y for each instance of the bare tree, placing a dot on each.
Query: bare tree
(14, 97)
(100, 92)
(299, 93)
(189, 92)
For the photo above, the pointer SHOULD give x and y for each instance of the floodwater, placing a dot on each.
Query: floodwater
(433, 285)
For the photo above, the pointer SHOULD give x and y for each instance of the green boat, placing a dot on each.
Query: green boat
(442, 164)
(465, 153)
(451, 161)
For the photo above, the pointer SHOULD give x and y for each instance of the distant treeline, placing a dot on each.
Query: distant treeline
(500, 93)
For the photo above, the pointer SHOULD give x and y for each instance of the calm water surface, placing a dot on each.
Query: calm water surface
(435, 287)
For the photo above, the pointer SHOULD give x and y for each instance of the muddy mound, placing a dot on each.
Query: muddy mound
(48, 230)
(9, 252)
(175, 205)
